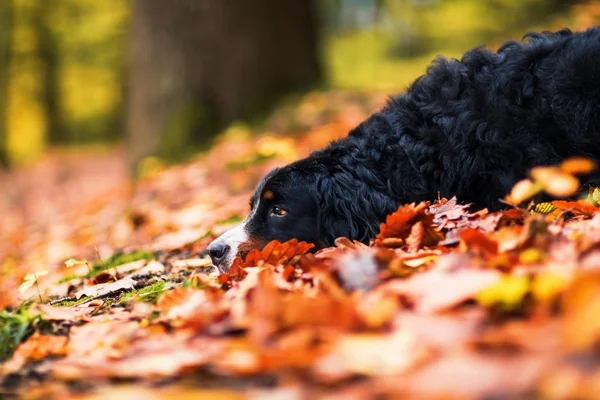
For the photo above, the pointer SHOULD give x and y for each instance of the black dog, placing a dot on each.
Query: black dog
(470, 128)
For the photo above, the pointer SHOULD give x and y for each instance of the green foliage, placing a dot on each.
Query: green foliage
(117, 259)
(148, 293)
(15, 326)
(393, 54)
(192, 282)
(113, 261)
(71, 303)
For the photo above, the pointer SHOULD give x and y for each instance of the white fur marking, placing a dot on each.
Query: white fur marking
(232, 238)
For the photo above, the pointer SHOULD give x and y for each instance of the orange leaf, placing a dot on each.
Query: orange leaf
(399, 223)
(414, 240)
(236, 271)
(479, 243)
(275, 253)
(37, 347)
(576, 207)
(577, 165)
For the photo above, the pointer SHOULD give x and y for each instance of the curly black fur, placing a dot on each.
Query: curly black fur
(470, 128)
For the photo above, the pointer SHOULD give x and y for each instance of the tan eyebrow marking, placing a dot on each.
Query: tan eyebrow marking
(268, 195)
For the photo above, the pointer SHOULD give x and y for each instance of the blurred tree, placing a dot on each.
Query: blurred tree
(6, 18)
(48, 52)
(198, 64)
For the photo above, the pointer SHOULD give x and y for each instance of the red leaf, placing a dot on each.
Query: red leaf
(479, 243)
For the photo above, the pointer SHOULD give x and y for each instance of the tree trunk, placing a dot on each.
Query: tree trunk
(49, 54)
(6, 22)
(198, 64)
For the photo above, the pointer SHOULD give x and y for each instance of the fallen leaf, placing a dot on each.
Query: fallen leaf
(436, 290)
(521, 191)
(577, 165)
(581, 304)
(52, 313)
(103, 289)
(477, 242)
(507, 293)
(37, 347)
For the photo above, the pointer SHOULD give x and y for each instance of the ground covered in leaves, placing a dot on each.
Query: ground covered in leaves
(106, 290)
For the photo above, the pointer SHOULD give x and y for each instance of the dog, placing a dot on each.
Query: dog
(470, 128)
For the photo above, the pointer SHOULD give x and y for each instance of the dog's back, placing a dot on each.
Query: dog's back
(472, 128)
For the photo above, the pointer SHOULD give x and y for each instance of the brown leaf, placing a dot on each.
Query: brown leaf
(106, 288)
(51, 313)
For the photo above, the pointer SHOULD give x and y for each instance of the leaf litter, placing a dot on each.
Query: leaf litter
(445, 299)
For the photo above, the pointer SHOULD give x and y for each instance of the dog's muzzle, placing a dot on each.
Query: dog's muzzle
(224, 249)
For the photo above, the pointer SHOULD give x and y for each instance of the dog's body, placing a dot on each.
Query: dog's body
(470, 128)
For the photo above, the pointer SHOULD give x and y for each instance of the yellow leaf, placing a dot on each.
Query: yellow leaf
(546, 286)
(508, 293)
(530, 256)
(543, 208)
(561, 185)
(30, 279)
(522, 191)
(26, 285)
(543, 174)
(71, 262)
(596, 196)
(417, 262)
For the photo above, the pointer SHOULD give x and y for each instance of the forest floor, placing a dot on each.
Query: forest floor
(107, 292)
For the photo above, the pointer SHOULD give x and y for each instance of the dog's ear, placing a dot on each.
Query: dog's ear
(349, 207)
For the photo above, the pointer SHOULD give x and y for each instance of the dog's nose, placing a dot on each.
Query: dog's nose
(217, 252)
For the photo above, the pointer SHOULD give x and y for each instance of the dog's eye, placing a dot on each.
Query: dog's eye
(278, 211)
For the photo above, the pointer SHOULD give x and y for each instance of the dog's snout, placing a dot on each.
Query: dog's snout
(217, 252)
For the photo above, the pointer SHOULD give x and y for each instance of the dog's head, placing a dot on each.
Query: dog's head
(309, 201)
